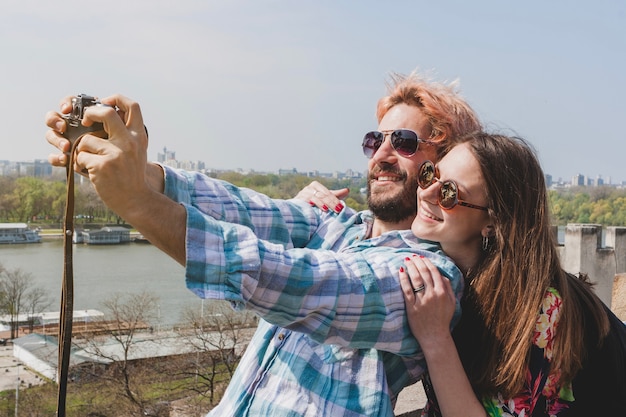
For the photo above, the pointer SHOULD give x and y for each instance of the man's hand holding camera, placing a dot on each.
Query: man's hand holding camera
(116, 166)
(119, 170)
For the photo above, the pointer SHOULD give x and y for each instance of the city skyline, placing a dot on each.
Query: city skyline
(198, 165)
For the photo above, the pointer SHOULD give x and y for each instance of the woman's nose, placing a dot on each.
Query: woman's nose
(430, 193)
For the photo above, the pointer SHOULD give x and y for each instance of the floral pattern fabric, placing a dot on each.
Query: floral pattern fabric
(543, 394)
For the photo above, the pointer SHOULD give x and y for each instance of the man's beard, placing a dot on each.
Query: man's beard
(394, 208)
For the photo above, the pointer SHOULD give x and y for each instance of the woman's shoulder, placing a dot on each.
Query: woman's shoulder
(612, 350)
(600, 386)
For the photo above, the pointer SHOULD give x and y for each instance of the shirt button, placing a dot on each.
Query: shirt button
(281, 336)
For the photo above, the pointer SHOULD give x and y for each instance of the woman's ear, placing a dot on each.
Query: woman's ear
(488, 231)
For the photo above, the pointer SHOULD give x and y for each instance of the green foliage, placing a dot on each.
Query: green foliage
(287, 186)
(42, 201)
(598, 205)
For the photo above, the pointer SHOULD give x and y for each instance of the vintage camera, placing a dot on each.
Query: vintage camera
(73, 120)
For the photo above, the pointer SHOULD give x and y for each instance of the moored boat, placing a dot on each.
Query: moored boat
(108, 235)
(18, 233)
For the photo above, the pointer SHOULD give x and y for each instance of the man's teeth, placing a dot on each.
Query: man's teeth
(388, 179)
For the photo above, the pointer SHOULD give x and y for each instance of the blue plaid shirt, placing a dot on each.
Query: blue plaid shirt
(333, 339)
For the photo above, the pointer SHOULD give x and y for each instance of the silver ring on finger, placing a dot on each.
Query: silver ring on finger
(419, 289)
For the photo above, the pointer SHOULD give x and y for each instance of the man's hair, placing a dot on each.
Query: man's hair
(450, 116)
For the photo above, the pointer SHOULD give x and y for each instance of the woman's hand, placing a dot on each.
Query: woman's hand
(429, 310)
(320, 196)
(429, 299)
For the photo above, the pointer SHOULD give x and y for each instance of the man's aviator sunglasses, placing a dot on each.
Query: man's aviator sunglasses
(404, 141)
(448, 196)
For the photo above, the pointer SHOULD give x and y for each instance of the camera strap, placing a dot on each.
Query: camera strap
(75, 131)
(67, 288)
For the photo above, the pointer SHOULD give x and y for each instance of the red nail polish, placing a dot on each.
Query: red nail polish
(325, 207)
(312, 204)
(338, 207)
(421, 256)
(407, 259)
(401, 269)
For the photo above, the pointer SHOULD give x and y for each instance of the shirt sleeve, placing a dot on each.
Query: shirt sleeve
(351, 298)
(291, 223)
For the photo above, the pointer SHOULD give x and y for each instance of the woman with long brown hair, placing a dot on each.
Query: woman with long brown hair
(533, 340)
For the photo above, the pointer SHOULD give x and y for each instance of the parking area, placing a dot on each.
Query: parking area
(13, 372)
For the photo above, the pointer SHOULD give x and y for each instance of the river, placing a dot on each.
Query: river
(100, 271)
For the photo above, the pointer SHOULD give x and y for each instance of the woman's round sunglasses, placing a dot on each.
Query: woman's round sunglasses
(448, 196)
(404, 141)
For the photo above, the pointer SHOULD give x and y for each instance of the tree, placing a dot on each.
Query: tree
(18, 293)
(113, 340)
(220, 336)
(29, 191)
(88, 202)
(35, 301)
(7, 202)
(55, 195)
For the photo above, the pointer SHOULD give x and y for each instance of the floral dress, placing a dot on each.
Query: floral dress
(542, 395)
(542, 387)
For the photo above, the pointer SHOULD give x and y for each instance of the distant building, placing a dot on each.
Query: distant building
(578, 179)
(166, 156)
(42, 168)
(291, 171)
(39, 168)
(599, 181)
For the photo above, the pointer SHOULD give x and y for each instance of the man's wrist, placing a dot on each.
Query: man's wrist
(155, 177)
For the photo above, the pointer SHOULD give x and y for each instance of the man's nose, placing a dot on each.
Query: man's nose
(386, 151)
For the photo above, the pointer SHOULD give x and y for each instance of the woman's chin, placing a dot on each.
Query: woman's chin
(421, 230)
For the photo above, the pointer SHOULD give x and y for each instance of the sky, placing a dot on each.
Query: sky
(274, 84)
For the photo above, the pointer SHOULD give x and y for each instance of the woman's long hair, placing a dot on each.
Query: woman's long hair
(508, 286)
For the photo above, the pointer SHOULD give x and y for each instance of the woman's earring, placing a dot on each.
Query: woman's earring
(485, 243)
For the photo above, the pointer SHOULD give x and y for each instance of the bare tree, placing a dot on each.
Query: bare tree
(35, 301)
(114, 340)
(88, 202)
(15, 289)
(220, 336)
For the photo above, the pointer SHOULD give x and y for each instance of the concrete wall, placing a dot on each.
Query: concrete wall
(584, 251)
(618, 301)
